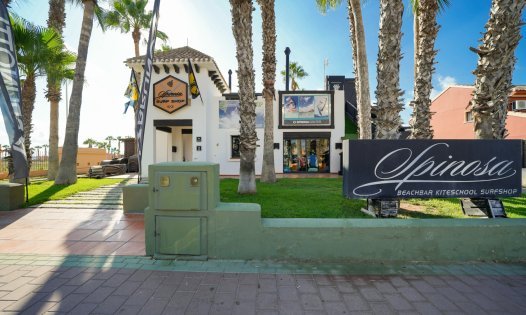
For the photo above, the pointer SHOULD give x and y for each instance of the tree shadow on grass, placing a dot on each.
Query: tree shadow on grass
(45, 195)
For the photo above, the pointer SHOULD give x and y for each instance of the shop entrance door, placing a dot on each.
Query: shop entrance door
(306, 155)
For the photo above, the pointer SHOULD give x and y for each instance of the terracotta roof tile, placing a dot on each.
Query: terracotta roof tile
(174, 55)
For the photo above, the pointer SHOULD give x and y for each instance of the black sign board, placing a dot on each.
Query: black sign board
(431, 168)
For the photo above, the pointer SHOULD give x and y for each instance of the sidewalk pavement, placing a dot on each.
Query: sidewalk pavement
(82, 255)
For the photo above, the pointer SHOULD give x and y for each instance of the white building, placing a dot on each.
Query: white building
(307, 133)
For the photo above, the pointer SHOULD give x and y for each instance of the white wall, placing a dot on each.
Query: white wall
(197, 111)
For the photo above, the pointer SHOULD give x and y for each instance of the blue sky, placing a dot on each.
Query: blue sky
(206, 25)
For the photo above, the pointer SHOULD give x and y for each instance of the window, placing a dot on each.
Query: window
(234, 147)
(469, 117)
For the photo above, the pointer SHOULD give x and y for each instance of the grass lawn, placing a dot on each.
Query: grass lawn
(322, 198)
(40, 192)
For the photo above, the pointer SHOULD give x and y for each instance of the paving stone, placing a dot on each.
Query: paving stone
(267, 301)
(345, 287)
(371, 294)
(290, 307)
(311, 302)
(99, 295)
(426, 308)
(441, 302)
(84, 308)
(247, 291)
(228, 285)
(223, 303)
(199, 307)
(355, 302)
(267, 312)
(21, 292)
(323, 280)
(411, 294)
(385, 287)
(306, 286)
(244, 307)
(89, 286)
(68, 303)
(285, 280)
(212, 278)
(179, 302)
(267, 285)
(189, 284)
(59, 293)
(328, 293)
(116, 280)
(288, 293)
(398, 302)
(111, 305)
(154, 306)
(127, 288)
(139, 297)
(381, 308)
(249, 278)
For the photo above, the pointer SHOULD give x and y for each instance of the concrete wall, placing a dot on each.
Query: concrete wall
(237, 231)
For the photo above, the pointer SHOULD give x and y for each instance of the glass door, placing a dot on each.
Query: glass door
(306, 155)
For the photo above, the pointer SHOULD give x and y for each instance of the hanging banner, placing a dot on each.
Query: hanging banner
(145, 88)
(10, 95)
(194, 89)
(431, 168)
(132, 92)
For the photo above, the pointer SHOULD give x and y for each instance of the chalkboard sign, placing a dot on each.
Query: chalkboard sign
(431, 168)
(497, 208)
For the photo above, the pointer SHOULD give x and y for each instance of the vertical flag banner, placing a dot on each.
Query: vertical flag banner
(194, 89)
(132, 92)
(10, 95)
(145, 88)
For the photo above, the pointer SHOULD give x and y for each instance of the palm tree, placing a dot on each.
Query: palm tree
(59, 71)
(425, 34)
(56, 20)
(67, 173)
(35, 47)
(388, 93)
(268, 173)
(90, 142)
(296, 72)
(241, 11)
(45, 146)
(109, 139)
(360, 65)
(131, 15)
(495, 67)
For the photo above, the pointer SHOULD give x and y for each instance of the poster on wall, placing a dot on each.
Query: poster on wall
(229, 114)
(304, 109)
(432, 168)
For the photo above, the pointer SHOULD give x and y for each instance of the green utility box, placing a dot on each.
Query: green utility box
(181, 198)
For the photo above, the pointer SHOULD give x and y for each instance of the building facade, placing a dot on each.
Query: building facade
(308, 125)
(452, 118)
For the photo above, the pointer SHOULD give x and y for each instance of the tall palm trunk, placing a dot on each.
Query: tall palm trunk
(416, 36)
(242, 28)
(364, 105)
(388, 91)
(354, 45)
(495, 67)
(268, 173)
(57, 21)
(427, 31)
(53, 161)
(28, 104)
(67, 173)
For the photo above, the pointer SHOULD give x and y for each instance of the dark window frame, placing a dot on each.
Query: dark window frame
(234, 153)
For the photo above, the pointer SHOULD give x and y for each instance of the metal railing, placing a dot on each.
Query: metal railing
(39, 159)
